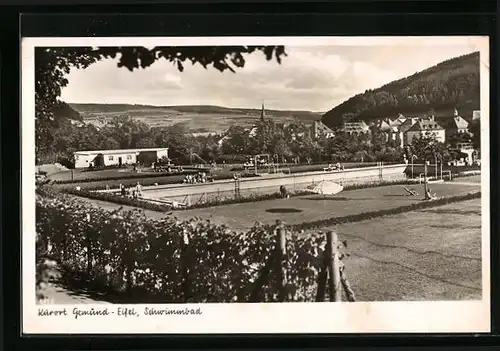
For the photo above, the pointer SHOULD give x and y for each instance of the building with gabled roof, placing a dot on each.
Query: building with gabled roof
(318, 129)
(395, 129)
(456, 125)
(359, 127)
(422, 127)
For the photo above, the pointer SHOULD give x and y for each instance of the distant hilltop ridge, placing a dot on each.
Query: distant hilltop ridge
(437, 90)
(96, 108)
(198, 118)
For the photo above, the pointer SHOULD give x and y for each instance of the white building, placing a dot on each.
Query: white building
(425, 127)
(318, 129)
(102, 158)
(356, 128)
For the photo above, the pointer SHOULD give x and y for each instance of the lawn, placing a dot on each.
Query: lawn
(431, 254)
(130, 178)
(316, 207)
(83, 174)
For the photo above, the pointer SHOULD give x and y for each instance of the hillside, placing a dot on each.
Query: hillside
(450, 84)
(199, 118)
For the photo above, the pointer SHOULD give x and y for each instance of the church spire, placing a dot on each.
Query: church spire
(262, 112)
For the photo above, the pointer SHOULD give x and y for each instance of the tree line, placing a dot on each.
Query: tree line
(291, 142)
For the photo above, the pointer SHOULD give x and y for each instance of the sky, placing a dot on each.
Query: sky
(313, 78)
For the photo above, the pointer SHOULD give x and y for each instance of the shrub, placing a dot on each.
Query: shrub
(120, 200)
(170, 260)
(231, 159)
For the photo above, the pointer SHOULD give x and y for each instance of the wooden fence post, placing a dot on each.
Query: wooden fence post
(261, 279)
(283, 281)
(322, 278)
(333, 267)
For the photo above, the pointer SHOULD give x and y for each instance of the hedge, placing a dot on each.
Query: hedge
(149, 205)
(385, 212)
(162, 180)
(120, 200)
(318, 166)
(169, 260)
(123, 177)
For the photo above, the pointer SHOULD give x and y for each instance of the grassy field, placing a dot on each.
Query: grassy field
(431, 254)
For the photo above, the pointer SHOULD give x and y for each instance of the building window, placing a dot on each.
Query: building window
(129, 157)
(110, 158)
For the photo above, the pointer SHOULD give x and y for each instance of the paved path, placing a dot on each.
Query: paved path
(58, 295)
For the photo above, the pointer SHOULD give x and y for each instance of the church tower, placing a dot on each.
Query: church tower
(262, 112)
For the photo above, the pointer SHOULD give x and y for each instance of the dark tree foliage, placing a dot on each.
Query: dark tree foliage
(475, 129)
(448, 85)
(53, 64)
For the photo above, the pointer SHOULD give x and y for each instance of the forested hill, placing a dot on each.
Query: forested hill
(450, 84)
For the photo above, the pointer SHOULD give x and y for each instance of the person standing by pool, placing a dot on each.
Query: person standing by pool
(138, 189)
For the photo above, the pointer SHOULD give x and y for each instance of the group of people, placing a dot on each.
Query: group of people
(200, 177)
(131, 191)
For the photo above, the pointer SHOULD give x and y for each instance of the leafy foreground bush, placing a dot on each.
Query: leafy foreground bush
(170, 260)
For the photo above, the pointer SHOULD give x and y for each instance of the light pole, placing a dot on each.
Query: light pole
(436, 165)
(413, 156)
(440, 164)
(425, 177)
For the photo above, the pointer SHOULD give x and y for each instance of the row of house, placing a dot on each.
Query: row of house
(403, 130)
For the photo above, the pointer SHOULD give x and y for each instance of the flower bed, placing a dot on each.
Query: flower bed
(169, 261)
